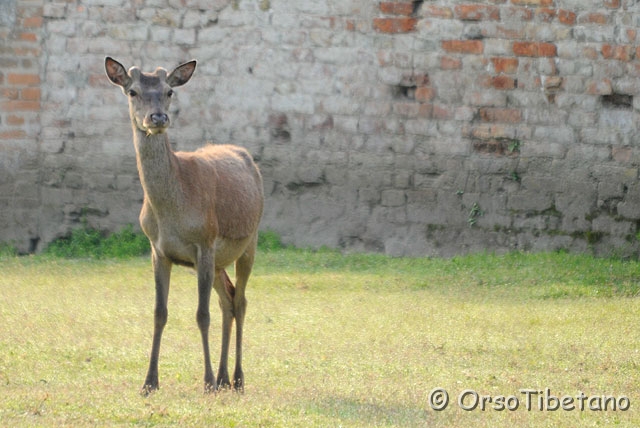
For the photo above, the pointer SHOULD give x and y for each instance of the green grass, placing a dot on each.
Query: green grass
(331, 340)
(86, 242)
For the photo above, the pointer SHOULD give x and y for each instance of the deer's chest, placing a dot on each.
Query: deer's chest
(171, 236)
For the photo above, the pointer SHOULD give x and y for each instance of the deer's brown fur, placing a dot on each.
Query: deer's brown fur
(200, 209)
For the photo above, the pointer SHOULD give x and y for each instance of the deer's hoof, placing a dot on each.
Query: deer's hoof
(210, 388)
(147, 389)
(238, 382)
(223, 381)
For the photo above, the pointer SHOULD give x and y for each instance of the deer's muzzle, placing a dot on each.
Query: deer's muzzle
(156, 123)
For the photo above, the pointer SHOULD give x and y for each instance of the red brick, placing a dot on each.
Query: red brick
(443, 112)
(599, 87)
(13, 119)
(502, 115)
(612, 4)
(607, 51)
(30, 94)
(503, 82)
(618, 52)
(394, 25)
(27, 51)
(32, 22)
(593, 18)
(463, 46)
(534, 49)
(29, 37)
(9, 93)
(477, 12)
(566, 17)
(450, 63)
(547, 49)
(393, 8)
(12, 135)
(20, 105)
(505, 65)
(424, 94)
(23, 79)
(533, 2)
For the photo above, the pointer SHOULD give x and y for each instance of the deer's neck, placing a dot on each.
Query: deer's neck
(157, 167)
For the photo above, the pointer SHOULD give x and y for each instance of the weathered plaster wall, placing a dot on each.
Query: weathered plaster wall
(407, 127)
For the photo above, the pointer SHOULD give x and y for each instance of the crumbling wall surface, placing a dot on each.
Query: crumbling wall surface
(405, 127)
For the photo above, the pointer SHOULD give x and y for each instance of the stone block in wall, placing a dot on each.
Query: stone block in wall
(629, 207)
(293, 103)
(614, 227)
(577, 206)
(393, 198)
(530, 201)
(588, 152)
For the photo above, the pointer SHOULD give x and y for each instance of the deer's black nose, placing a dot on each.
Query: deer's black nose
(159, 119)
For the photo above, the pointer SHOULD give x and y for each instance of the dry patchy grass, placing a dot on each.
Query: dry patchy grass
(330, 340)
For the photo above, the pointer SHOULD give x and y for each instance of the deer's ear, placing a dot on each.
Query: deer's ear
(181, 74)
(116, 72)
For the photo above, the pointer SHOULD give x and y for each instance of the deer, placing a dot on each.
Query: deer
(200, 209)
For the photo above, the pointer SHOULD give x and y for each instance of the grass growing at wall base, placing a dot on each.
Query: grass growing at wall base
(86, 242)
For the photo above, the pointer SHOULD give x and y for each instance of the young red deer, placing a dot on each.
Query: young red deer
(200, 209)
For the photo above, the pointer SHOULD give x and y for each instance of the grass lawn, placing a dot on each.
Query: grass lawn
(330, 340)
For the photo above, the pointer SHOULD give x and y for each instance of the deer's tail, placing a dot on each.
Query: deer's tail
(228, 285)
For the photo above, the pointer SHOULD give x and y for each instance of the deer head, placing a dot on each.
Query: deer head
(149, 93)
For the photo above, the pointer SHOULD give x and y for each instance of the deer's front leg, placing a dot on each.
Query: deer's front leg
(205, 281)
(162, 274)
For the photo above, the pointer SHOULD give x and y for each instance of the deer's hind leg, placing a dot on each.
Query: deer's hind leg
(226, 291)
(243, 270)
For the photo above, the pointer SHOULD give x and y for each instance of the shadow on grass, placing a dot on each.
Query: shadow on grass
(368, 412)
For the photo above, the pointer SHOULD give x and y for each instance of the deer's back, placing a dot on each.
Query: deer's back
(223, 182)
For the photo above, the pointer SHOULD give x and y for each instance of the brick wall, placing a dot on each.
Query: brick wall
(407, 127)
(20, 105)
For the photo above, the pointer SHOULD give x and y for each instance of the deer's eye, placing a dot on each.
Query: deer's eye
(132, 93)
(170, 93)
